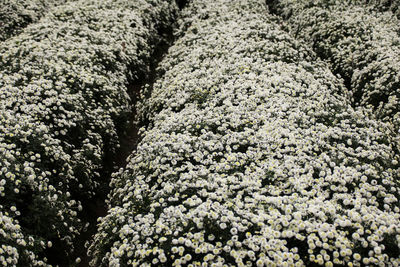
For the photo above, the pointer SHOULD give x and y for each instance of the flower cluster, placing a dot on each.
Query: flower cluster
(17, 14)
(63, 97)
(384, 5)
(287, 8)
(253, 156)
(361, 43)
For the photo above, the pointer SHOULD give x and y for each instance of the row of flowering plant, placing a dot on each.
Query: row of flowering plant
(361, 43)
(384, 5)
(287, 7)
(63, 99)
(252, 157)
(17, 14)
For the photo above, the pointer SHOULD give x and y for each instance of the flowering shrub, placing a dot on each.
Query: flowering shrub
(286, 8)
(252, 157)
(63, 96)
(362, 44)
(17, 14)
(384, 5)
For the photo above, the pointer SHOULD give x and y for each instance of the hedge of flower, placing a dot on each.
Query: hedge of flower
(17, 14)
(252, 157)
(63, 99)
(288, 7)
(385, 5)
(362, 44)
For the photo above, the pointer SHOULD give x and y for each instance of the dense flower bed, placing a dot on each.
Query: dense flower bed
(287, 7)
(384, 5)
(252, 157)
(362, 44)
(63, 96)
(17, 14)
